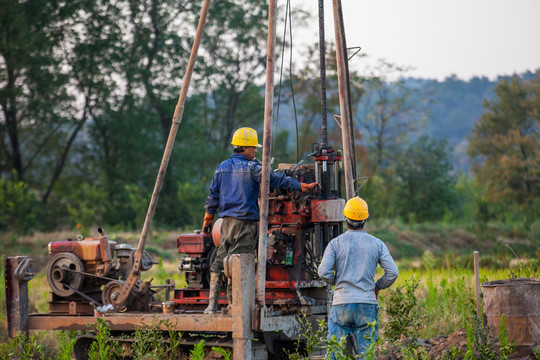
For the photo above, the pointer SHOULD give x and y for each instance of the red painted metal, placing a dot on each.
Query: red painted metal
(87, 250)
(331, 156)
(327, 210)
(57, 247)
(287, 211)
(193, 244)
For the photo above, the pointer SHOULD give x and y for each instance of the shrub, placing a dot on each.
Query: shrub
(400, 308)
(19, 207)
(103, 347)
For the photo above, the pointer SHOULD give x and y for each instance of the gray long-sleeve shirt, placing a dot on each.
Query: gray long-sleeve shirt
(349, 262)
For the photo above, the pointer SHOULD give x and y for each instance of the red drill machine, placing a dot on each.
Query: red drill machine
(300, 225)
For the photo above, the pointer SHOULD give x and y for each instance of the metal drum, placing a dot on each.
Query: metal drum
(519, 301)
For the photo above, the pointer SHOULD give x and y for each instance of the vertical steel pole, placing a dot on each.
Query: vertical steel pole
(348, 88)
(322, 61)
(343, 101)
(177, 119)
(267, 141)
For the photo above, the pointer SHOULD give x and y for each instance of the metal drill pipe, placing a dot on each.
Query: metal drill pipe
(177, 118)
(343, 101)
(322, 60)
(267, 141)
(348, 88)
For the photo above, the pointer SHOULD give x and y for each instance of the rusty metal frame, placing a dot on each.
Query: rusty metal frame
(237, 322)
(129, 321)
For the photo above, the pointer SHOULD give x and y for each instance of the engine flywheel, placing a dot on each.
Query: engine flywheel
(65, 269)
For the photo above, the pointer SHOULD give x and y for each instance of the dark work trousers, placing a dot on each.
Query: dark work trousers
(237, 237)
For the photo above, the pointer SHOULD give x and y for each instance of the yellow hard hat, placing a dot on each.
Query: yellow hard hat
(245, 137)
(356, 209)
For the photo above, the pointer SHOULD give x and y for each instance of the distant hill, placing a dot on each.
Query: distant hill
(454, 106)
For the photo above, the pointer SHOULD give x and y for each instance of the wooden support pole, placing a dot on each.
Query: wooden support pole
(243, 287)
(267, 142)
(477, 284)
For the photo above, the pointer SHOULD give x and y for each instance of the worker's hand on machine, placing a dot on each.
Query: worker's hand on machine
(207, 224)
(313, 187)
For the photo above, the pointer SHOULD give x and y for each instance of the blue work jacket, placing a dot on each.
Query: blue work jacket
(235, 188)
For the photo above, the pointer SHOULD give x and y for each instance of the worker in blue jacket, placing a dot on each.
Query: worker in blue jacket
(234, 193)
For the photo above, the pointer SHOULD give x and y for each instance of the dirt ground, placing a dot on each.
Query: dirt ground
(436, 347)
(441, 345)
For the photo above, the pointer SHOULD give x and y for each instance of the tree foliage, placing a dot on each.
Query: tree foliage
(390, 112)
(505, 142)
(88, 89)
(87, 93)
(427, 188)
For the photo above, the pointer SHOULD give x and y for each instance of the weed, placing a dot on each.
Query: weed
(175, 339)
(482, 345)
(67, 342)
(23, 347)
(336, 349)
(309, 338)
(148, 343)
(226, 354)
(506, 348)
(371, 351)
(414, 353)
(453, 353)
(197, 353)
(400, 309)
(537, 353)
(103, 347)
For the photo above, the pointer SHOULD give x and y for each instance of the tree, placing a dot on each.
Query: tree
(426, 188)
(504, 146)
(233, 62)
(35, 105)
(389, 112)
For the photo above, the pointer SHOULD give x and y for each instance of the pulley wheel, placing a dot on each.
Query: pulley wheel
(59, 274)
(111, 293)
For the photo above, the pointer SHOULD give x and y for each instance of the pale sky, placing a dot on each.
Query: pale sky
(438, 38)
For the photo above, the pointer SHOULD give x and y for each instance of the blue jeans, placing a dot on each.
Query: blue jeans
(352, 320)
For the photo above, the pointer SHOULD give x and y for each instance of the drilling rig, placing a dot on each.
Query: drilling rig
(96, 277)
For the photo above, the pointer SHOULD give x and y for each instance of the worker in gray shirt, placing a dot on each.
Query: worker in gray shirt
(349, 263)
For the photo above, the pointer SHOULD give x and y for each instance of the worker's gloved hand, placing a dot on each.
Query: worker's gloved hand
(377, 294)
(207, 224)
(313, 187)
